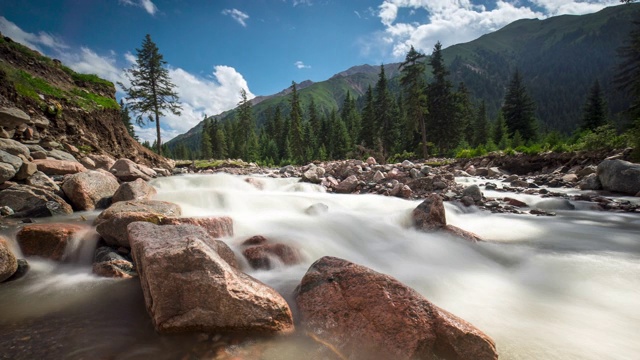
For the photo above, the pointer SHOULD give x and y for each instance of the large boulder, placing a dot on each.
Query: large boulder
(8, 261)
(619, 176)
(188, 286)
(127, 170)
(473, 191)
(7, 172)
(313, 174)
(61, 155)
(216, 226)
(101, 161)
(10, 159)
(90, 189)
(58, 167)
(430, 214)
(10, 118)
(347, 185)
(41, 180)
(112, 223)
(29, 201)
(366, 315)
(134, 190)
(48, 240)
(26, 170)
(265, 256)
(14, 147)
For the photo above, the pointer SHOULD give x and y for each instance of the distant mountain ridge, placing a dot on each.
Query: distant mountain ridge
(559, 58)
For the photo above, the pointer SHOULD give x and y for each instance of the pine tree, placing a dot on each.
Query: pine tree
(466, 114)
(341, 143)
(442, 119)
(151, 92)
(368, 132)
(220, 150)
(205, 146)
(595, 109)
(383, 117)
(312, 131)
(518, 110)
(628, 81)
(500, 132)
(296, 131)
(351, 118)
(481, 127)
(415, 98)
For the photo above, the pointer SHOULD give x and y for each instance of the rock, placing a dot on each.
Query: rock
(425, 170)
(415, 173)
(406, 192)
(39, 155)
(188, 287)
(88, 163)
(216, 226)
(255, 240)
(619, 176)
(515, 202)
(104, 162)
(14, 147)
(554, 204)
(262, 256)
(467, 201)
(127, 170)
(115, 269)
(134, 190)
(161, 171)
(473, 191)
(58, 167)
(482, 171)
(471, 170)
(8, 261)
(6, 211)
(519, 183)
(12, 160)
(587, 170)
(26, 170)
(316, 209)
(112, 223)
(61, 155)
(494, 172)
(289, 169)
(570, 178)
(257, 183)
(347, 185)
(467, 235)
(590, 182)
(48, 240)
(378, 176)
(90, 189)
(7, 172)
(106, 254)
(23, 269)
(407, 164)
(430, 214)
(40, 122)
(364, 314)
(314, 174)
(11, 118)
(41, 180)
(371, 161)
(28, 201)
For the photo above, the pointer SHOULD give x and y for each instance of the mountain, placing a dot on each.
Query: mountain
(65, 107)
(559, 59)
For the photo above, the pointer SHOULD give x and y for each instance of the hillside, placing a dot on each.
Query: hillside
(69, 108)
(559, 58)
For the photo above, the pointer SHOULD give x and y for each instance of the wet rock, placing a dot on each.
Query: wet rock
(619, 176)
(555, 204)
(48, 240)
(112, 223)
(430, 214)
(473, 191)
(542, 212)
(28, 201)
(23, 269)
(134, 190)
(14, 147)
(255, 240)
(316, 209)
(519, 183)
(515, 202)
(6, 211)
(467, 201)
(90, 189)
(314, 174)
(364, 314)
(587, 170)
(263, 256)
(115, 269)
(467, 235)
(188, 287)
(258, 184)
(58, 167)
(127, 170)
(347, 185)
(590, 182)
(8, 261)
(494, 172)
(105, 254)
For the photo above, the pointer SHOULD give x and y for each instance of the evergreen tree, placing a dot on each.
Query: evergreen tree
(351, 118)
(340, 137)
(501, 132)
(518, 109)
(628, 80)
(383, 117)
(442, 119)
(220, 149)
(126, 120)
(595, 109)
(415, 98)
(296, 130)
(151, 92)
(312, 131)
(205, 146)
(466, 114)
(246, 140)
(481, 127)
(368, 133)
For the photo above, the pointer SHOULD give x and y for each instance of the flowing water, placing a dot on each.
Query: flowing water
(564, 287)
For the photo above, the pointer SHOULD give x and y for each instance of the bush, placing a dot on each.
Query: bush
(602, 138)
(405, 155)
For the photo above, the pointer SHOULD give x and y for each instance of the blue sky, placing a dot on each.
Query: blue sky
(215, 48)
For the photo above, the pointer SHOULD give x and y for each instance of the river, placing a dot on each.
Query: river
(563, 287)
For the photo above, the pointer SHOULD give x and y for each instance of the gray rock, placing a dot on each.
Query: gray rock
(41, 180)
(13, 117)
(619, 176)
(7, 172)
(12, 160)
(61, 155)
(14, 147)
(473, 191)
(29, 201)
(347, 185)
(415, 173)
(590, 182)
(378, 176)
(407, 164)
(127, 170)
(134, 190)
(494, 172)
(314, 174)
(27, 169)
(317, 209)
(34, 147)
(90, 189)
(554, 204)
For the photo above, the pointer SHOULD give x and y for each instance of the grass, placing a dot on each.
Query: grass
(88, 100)
(205, 164)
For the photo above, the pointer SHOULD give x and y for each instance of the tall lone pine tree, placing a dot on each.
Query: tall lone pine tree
(519, 110)
(151, 92)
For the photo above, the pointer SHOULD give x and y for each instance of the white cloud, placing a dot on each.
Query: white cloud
(147, 5)
(237, 15)
(302, 2)
(300, 65)
(458, 21)
(33, 41)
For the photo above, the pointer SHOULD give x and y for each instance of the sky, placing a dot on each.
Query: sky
(216, 48)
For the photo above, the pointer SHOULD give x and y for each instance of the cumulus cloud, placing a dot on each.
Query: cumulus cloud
(301, 65)
(458, 21)
(147, 5)
(33, 41)
(237, 15)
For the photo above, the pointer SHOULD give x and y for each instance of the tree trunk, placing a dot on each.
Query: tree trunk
(423, 129)
(159, 142)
